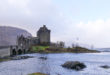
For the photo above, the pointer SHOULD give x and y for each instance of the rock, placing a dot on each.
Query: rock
(44, 58)
(105, 66)
(76, 65)
(20, 57)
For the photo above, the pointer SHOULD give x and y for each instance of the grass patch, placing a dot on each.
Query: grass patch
(48, 49)
(37, 74)
(4, 59)
(39, 48)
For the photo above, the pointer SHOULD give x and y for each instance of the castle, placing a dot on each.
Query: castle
(42, 38)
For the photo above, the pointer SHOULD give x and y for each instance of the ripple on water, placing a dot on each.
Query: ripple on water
(53, 66)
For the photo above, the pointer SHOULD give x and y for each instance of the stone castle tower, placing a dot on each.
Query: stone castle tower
(42, 38)
(43, 35)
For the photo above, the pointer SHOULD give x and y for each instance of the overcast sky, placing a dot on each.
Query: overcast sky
(88, 20)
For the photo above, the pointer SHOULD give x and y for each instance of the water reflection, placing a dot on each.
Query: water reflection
(45, 67)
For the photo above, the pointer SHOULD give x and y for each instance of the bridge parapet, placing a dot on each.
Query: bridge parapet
(12, 50)
(4, 51)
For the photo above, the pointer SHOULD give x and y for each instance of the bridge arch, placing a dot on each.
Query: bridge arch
(20, 51)
(14, 52)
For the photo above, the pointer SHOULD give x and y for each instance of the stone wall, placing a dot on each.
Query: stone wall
(44, 37)
(5, 52)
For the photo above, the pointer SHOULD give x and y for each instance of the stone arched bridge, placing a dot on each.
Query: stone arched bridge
(17, 50)
(12, 50)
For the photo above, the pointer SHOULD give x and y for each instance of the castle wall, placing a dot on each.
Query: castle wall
(44, 37)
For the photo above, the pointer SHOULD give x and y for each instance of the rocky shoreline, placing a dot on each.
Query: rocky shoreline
(14, 58)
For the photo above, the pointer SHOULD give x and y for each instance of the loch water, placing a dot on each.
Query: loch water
(52, 65)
